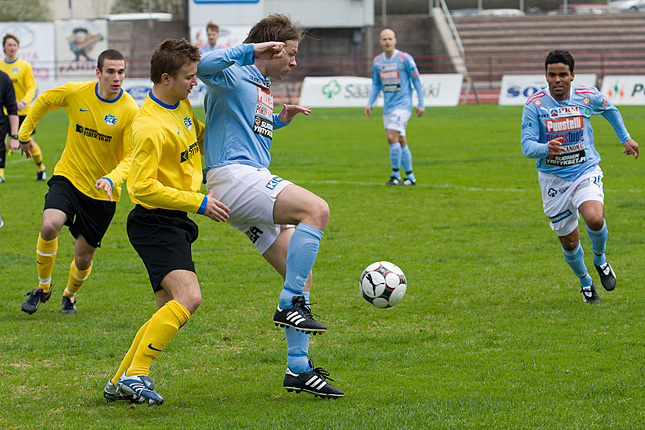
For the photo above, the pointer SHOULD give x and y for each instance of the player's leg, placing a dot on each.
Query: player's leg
(46, 249)
(593, 214)
(3, 153)
(393, 137)
(574, 256)
(406, 161)
(79, 271)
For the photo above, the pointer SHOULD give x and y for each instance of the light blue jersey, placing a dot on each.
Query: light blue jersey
(544, 119)
(395, 76)
(207, 48)
(239, 109)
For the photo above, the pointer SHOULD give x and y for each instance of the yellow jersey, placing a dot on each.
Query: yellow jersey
(166, 168)
(23, 81)
(99, 140)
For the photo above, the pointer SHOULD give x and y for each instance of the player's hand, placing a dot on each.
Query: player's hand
(269, 50)
(631, 148)
(104, 184)
(21, 105)
(14, 145)
(555, 146)
(25, 148)
(215, 210)
(289, 111)
(368, 111)
(420, 111)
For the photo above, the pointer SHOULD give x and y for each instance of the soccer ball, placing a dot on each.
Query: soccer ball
(382, 284)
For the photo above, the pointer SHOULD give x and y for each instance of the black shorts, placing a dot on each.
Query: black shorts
(21, 119)
(86, 216)
(162, 238)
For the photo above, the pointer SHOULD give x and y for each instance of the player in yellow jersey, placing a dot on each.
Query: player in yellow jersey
(25, 87)
(87, 179)
(164, 182)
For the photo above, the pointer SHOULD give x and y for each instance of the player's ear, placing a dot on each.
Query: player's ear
(98, 73)
(573, 75)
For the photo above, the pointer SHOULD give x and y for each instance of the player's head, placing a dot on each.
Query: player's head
(278, 28)
(559, 73)
(387, 39)
(173, 67)
(110, 71)
(212, 31)
(10, 44)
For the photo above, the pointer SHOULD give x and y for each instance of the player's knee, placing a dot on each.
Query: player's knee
(320, 212)
(48, 230)
(194, 300)
(596, 223)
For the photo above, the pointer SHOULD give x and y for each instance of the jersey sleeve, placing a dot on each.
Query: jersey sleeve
(611, 113)
(146, 156)
(377, 86)
(531, 147)
(416, 82)
(48, 101)
(212, 69)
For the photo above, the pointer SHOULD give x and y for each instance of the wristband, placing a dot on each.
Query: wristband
(13, 136)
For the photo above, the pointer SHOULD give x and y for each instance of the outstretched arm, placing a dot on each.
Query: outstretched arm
(631, 148)
(290, 111)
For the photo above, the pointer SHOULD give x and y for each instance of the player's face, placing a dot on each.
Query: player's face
(212, 36)
(111, 77)
(278, 68)
(388, 41)
(183, 82)
(11, 48)
(559, 78)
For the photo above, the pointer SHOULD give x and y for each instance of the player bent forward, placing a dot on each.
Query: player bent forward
(239, 131)
(556, 131)
(87, 179)
(164, 184)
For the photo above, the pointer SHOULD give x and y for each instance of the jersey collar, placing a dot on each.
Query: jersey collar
(162, 104)
(96, 91)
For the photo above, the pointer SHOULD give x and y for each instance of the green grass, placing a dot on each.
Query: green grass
(492, 333)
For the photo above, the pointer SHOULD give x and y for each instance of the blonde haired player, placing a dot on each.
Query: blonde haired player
(24, 85)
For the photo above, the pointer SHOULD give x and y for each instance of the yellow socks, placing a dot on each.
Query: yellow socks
(163, 325)
(37, 156)
(127, 360)
(76, 278)
(45, 256)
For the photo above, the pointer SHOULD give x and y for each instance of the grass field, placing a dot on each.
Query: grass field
(492, 333)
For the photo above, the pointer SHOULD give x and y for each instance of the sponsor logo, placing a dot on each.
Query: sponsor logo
(263, 127)
(394, 74)
(564, 111)
(527, 125)
(584, 91)
(552, 192)
(586, 100)
(110, 119)
(84, 110)
(568, 159)
(561, 216)
(331, 88)
(273, 182)
(255, 80)
(254, 233)
(15, 70)
(188, 122)
(265, 97)
(538, 103)
(152, 347)
(535, 96)
(263, 111)
(189, 153)
(92, 134)
(389, 66)
(563, 124)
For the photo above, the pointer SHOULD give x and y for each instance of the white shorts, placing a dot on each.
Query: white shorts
(397, 120)
(250, 193)
(561, 198)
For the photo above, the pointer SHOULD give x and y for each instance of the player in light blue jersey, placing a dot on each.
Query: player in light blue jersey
(394, 72)
(212, 33)
(239, 132)
(556, 131)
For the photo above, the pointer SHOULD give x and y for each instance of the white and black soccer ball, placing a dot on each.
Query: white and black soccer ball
(383, 284)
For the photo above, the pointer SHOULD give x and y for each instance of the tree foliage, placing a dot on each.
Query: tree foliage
(24, 10)
(175, 7)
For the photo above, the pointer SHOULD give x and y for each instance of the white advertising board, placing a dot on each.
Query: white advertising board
(516, 89)
(37, 45)
(624, 90)
(354, 91)
(230, 12)
(78, 44)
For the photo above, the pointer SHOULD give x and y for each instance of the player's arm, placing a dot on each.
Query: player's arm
(612, 114)
(376, 88)
(212, 69)
(531, 147)
(29, 86)
(10, 105)
(287, 114)
(48, 101)
(416, 82)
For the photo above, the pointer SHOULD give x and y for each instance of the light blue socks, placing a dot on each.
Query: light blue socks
(395, 159)
(301, 256)
(406, 162)
(576, 260)
(599, 243)
(298, 347)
